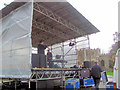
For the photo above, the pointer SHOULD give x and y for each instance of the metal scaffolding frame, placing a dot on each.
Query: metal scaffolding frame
(63, 54)
(48, 29)
(56, 18)
(53, 74)
(79, 44)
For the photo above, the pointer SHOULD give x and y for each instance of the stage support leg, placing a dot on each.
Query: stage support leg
(29, 84)
(15, 85)
(36, 81)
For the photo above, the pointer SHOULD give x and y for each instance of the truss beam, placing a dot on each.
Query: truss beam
(48, 13)
(48, 29)
(46, 75)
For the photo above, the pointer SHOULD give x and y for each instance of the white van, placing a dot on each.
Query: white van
(116, 69)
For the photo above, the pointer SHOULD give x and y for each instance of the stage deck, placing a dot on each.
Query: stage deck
(56, 69)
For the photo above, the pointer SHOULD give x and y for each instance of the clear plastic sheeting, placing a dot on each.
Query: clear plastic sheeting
(69, 53)
(16, 43)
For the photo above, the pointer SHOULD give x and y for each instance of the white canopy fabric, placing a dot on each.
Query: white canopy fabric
(16, 43)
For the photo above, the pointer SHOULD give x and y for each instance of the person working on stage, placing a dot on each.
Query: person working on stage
(41, 47)
(49, 59)
(41, 52)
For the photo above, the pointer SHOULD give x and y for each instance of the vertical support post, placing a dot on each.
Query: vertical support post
(36, 80)
(88, 41)
(85, 59)
(15, 85)
(29, 84)
(76, 51)
(52, 56)
(61, 78)
(79, 79)
(62, 72)
(2, 82)
(63, 54)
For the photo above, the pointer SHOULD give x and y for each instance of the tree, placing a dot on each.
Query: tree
(116, 45)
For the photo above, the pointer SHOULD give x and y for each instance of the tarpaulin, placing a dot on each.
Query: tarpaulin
(16, 43)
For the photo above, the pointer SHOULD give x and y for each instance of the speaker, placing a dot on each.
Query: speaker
(42, 59)
(39, 61)
(35, 60)
(87, 64)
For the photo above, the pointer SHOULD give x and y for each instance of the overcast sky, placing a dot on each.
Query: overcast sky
(103, 14)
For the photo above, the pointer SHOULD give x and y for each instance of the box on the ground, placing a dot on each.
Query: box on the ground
(72, 84)
(87, 82)
(109, 86)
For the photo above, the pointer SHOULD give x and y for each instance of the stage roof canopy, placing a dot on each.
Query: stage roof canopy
(55, 22)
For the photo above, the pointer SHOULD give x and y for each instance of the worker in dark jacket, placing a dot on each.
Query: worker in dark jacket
(96, 74)
(49, 59)
(41, 47)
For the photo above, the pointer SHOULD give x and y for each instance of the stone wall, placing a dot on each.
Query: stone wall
(94, 55)
(91, 55)
(106, 59)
